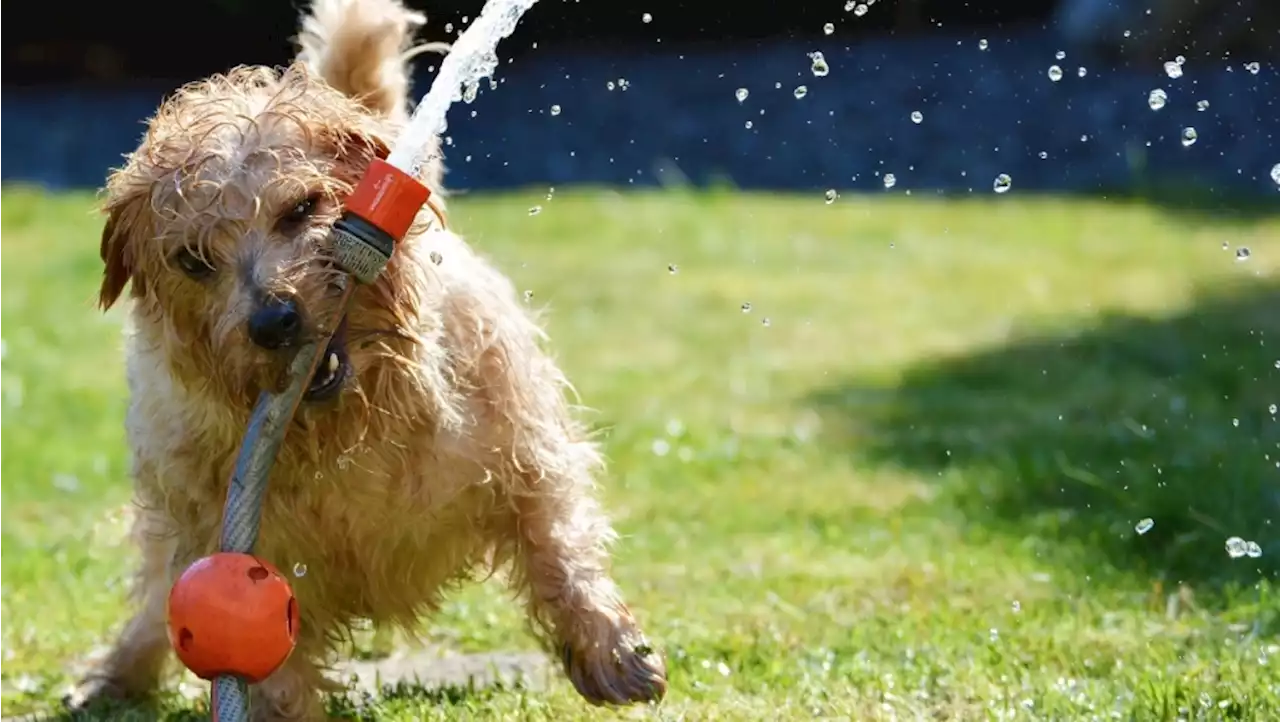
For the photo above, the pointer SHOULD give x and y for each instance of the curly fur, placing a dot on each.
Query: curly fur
(451, 449)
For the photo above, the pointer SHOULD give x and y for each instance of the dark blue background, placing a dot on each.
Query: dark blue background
(985, 113)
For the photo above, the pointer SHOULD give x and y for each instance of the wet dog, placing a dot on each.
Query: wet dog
(435, 441)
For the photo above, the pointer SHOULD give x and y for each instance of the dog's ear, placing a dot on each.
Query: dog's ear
(357, 147)
(117, 249)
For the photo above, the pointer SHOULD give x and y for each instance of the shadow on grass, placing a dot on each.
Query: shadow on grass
(119, 712)
(1196, 205)
(357, 707)
(1079, 437)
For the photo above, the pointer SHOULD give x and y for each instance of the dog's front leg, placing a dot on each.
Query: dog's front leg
(132, 668)
(562, 539)
(527, 438)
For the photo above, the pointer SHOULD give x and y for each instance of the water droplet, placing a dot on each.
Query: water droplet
(831, 196)
(623, 84)
(1252, 549)
(1017, 606)
(746, 307)
(1236, 547)
(1128, 33)
(766, 322)
(1273, 409)
(1002, 183)
(1060, 55)
(609, 85)
(646, 18)
(890, 180)
(1189, 136)
(555, 110)
(1044, 154)
(1157, 98)
(800, 92)
(819, 66)
(917, 117)
(1081, 72)
(1144, 525)
(1202, 105)
(299, 570)
(994, 634)
(68, 483)
(983, 44)
(741, 94)
(1275, 173)
(1253, 68)
(469, 93)
(1180, 60)
(1055, 73)
(535, 210)
(828, 29)
(749, 125)
(860, 9)
(673, 269)
(1242, 253)
(1172, 69)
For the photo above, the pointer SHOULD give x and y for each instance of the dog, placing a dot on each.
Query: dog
(436, 442)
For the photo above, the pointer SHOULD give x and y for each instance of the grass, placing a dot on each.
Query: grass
(903, 485)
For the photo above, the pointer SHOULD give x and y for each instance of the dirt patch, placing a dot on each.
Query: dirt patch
(430, 669)
(436, 668)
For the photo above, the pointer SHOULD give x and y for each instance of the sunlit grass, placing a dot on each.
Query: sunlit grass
(836, 457)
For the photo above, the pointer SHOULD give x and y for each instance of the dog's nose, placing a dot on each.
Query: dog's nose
(276, 323)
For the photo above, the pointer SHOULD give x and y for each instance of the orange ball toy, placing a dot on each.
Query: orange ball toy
(232, 614)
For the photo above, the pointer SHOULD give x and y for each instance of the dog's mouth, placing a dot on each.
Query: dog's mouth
(333, 370)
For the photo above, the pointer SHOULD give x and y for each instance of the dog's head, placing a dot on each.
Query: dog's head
(219, 222)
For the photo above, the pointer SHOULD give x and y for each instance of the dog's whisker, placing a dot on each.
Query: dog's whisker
(439, 47)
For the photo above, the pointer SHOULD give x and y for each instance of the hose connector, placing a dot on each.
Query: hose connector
(378, 215)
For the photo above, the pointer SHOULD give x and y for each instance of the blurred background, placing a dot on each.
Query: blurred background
(646, 92)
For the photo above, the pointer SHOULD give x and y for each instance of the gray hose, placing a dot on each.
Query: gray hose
(358, 248)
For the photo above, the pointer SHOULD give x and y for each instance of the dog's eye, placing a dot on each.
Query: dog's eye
(301, 211)
(193, 265)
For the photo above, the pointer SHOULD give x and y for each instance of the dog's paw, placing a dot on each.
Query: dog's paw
(96, 695)
(625, 673)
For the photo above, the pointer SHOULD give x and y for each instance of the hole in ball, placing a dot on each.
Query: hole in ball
(291, 614)
(185, 638)
(257, 574)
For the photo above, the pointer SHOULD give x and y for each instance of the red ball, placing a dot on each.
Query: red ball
(234, 614)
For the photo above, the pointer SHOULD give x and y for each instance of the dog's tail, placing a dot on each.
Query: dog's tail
(362, 48)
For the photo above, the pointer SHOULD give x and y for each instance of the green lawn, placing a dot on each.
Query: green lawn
(903, 483)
